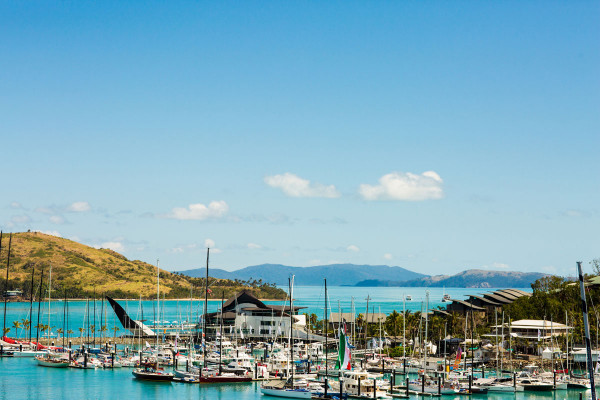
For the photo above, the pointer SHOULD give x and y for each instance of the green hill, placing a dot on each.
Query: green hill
(81, 270)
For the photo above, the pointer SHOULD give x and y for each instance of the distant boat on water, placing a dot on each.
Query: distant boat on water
(408, 297)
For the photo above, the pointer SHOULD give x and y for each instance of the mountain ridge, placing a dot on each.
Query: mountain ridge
(336, 274)
(471, 278)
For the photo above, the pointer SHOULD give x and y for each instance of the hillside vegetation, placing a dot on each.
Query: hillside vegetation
(82, 270)
(472, 278)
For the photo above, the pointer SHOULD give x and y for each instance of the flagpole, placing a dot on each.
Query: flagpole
(587, 330)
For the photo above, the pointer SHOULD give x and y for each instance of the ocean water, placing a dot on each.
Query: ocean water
(22, 379)
(385, 300)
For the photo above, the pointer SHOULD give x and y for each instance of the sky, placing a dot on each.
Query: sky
(436, 136)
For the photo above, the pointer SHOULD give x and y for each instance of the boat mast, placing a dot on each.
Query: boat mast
(158, 308)
(101, 320)
(204, 336)
(49, 294)
(64, 320)
(6, 282)
(588, 345)
(37, 330)
(31, 294)
(404, 328)
(426, 328)
(326, 340)
(221, 334)
(292, 329)
(367, 323)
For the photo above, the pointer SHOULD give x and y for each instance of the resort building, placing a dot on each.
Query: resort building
(533, 329)
(245, 316)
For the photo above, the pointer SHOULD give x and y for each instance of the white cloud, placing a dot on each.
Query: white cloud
(404, 186)
(116, 246)
(20, 219)
(209, 243)
(51, 233)
(576, 214)
(15, 205)
(198, 211)
(79, 206)
(176, 250)
(496, 266)
(387, 256)
(254, 246)
(353, 248)
(294, 186)
(57, 219)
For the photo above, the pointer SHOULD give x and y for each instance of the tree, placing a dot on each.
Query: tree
(596, 265)
(16, 325)
(6, 330)
(81, 330)
(26, 323)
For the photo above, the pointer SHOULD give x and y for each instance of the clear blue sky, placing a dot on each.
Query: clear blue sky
(436, 136)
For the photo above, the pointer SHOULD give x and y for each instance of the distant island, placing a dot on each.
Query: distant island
(336, 274)
(80, 271)
(374, 276)
(473, 278)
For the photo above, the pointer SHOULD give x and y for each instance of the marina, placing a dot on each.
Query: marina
(230, 365)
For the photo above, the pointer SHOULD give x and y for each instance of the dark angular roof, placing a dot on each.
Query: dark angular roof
(497, 298)
(244, 296)
(483, 299)
(467, 304)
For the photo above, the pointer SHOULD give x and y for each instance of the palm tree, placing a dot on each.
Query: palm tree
(103, 329)
(43, 328)
(115, 329)
(6, 330)
(17, 325)
(59, 331)
(70, 332)
(81, 330)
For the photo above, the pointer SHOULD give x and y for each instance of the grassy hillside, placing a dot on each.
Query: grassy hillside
(81, 270)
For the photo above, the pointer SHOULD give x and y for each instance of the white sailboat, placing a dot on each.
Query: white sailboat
(289, 388)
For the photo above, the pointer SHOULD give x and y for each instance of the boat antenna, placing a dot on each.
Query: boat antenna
(204, 336)
(6, 282)
(327, 341)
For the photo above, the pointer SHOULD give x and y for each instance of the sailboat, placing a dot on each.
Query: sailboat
(445, 296)
(152, 372)
(220, 376)
(289, 388)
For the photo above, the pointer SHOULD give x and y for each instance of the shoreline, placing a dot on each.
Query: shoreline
(100, 298)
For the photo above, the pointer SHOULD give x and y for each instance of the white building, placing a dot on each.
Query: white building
(245, 316)
(533, 329)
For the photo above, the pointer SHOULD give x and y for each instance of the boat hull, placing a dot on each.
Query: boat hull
(288, 393)
(225, 379)
(151, 376)
(538, 388)
(52, 363)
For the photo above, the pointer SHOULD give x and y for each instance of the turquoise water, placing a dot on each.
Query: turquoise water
(21, 378)
(383, 300)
